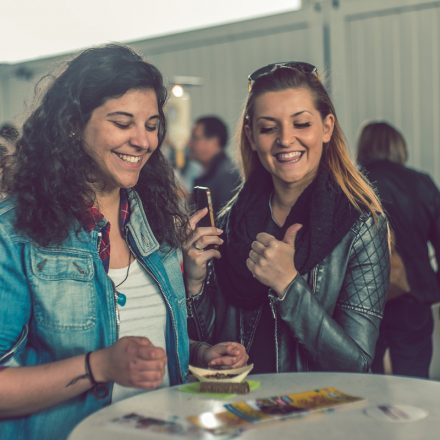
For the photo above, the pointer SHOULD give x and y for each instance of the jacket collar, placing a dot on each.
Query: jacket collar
(139, 227)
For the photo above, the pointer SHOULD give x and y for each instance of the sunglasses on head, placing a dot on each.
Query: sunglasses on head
(270, 68)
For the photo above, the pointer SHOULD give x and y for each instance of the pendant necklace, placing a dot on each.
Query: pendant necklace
(270, 206)
(121, 298)
(270, 209)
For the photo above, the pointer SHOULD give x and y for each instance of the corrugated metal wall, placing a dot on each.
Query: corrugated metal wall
(18, 92)
(221, 56)
(389, 52)
(224, 56)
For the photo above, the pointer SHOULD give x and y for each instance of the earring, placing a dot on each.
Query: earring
(74, 136)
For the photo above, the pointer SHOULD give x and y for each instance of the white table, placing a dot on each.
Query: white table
(350, 424)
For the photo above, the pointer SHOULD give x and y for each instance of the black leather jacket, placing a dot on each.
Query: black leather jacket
(331, 315)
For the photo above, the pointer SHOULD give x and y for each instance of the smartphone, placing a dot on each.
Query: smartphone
(202, 199)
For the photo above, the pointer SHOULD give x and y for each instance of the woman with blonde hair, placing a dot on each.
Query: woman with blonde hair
(305, 260)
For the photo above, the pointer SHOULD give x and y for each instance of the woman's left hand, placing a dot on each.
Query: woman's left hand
(271, 261)
(225, 354)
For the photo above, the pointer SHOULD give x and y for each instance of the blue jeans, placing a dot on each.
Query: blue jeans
(406, 330)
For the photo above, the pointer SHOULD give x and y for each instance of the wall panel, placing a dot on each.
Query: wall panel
(223, 63)
(390, 55)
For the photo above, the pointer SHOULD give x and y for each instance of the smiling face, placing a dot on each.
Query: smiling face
(120, 136)
(288, 133)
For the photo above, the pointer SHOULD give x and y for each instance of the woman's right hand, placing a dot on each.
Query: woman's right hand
(132, 361)
(196, 253)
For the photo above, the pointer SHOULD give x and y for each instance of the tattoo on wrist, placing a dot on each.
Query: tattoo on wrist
(77, 379)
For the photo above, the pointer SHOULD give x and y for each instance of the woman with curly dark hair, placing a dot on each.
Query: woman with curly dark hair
(92, 312)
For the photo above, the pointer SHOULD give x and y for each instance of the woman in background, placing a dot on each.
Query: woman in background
(304, 268)
(90, 263)
(412, 202)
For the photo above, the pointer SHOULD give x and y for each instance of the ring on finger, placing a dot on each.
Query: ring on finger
(197, 247)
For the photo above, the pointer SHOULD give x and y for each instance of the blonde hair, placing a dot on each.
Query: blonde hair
(353, 184)
(381, 141)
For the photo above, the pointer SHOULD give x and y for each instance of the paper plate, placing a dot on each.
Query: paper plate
(224, 375)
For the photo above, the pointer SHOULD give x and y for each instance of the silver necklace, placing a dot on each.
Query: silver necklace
(270, 206)
(271, 212)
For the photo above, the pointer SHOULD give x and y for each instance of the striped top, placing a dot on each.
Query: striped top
(144, 314)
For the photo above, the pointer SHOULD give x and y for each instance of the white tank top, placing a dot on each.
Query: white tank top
(144, 314)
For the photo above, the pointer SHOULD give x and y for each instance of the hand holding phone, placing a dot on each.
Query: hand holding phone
(202, 245)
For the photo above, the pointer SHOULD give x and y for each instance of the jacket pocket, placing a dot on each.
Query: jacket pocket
(63, 289)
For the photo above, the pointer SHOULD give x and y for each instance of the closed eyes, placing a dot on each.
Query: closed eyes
(298, 125)
(125, 125)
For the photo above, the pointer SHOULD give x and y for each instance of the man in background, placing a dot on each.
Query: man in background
(207, 146)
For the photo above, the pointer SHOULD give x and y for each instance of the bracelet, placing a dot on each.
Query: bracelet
(287, 288)
(89, 369)
(284, 294)
(199, 293)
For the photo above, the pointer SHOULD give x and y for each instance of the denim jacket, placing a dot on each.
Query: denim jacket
(57, 302)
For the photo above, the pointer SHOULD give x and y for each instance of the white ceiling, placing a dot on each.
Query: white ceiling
(38, 28)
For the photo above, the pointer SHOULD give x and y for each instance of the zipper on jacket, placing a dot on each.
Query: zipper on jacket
(189, 307)
(190, 299)
(314, 278)
(253, 330)
(272, 300)
(191, 313)
(173, 321)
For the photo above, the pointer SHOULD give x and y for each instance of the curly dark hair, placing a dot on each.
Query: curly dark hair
(51, 174)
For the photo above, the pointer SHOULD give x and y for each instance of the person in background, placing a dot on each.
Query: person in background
(304, 265)
(90, 252)
(8, 136)
(184, 176)
(207, 147)
(412, 202)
